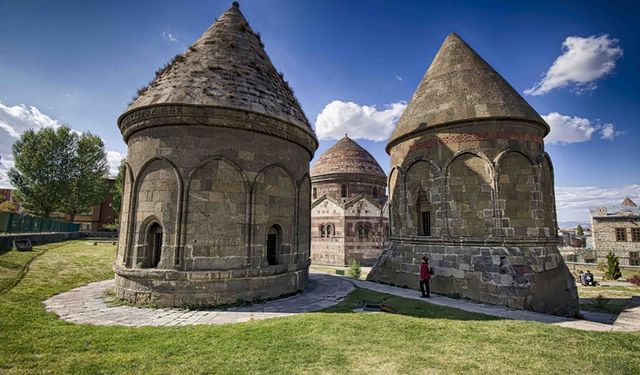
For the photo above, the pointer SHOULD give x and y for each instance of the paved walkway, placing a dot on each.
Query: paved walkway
(89, 304)
(631, 323)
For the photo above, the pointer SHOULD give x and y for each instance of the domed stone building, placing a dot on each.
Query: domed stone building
(216, 202)
(471, 188)
(349, 217)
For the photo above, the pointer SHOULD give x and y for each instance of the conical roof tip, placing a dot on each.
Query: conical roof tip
(346, 156)
(226, 67)
(459, 85)
(628, 202)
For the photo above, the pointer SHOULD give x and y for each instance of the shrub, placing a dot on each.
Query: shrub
(354, 270)
(600, 301)
(635, 279)
(602, 266)
(613, 267)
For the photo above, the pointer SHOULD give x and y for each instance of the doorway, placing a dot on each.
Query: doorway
(273, 244)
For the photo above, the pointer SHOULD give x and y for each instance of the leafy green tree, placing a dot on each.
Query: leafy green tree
(118, 188)
(58, 170)
(87, 180)
(42, 160)
(579, 230)
(613, 267)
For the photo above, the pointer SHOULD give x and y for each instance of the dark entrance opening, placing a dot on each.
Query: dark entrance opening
(425, 223)
(154, 245)
(424, 214)
(273, 243)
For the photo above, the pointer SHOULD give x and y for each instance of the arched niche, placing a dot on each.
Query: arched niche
(516, 192)
(469, 196)
(274, 201)
(216, 217)
(125, 213)
(395, 202)
(548, 197)
(422, 199)
(158, 189)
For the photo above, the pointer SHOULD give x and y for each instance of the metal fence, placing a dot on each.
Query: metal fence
(16, 223)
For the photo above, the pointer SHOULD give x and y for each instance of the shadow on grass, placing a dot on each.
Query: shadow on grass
(403, 306)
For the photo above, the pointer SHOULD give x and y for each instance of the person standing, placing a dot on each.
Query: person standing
(425, 276)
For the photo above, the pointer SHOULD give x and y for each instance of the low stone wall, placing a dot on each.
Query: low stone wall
(530, 276)
(173, 288)
(574, 266)
(6, 241)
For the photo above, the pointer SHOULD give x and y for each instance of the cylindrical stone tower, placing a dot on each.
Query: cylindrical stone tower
(216, 204)
(471, 188)
(349, 219)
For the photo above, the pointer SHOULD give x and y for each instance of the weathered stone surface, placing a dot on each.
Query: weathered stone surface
(349, 217)
(472, 189)
(217, 190)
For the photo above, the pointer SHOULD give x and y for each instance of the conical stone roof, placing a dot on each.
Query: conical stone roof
(459, 85)
(226, 67)
(346, 156)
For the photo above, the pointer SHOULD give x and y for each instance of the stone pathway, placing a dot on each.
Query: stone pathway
(89, 305)
(630, 317)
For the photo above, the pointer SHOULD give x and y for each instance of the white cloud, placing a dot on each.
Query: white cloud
(171, 37)
(399, 78)
(114, 158)
(573, 129)
(573, 202)
(583, 61)
(14, 120)
(359, 121)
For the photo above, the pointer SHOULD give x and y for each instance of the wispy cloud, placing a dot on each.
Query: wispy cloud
(171, 37)
(359, 121)
(398, 78)
(583, 61)
(573, 202)
(573, 129)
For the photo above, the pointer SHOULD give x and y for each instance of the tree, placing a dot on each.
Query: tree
(42, 161)
(7, 206)
(118, 188)
(87, 181)
(613, 267)
(58, 169)
(579, 230)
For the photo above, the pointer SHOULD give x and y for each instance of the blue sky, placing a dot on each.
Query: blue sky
(79, 62)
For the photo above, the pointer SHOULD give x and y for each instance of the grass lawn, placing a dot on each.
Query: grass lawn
(420, 338)
(615, 297)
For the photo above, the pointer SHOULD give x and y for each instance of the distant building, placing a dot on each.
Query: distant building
(96, 218)
(617, 229)
(349, 218)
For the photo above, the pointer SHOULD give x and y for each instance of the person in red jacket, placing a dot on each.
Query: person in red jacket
(425, 276)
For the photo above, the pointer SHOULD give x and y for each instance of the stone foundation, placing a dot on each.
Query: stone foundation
(525, 275)
(171, 288)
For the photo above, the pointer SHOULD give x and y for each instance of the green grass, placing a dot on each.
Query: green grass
(419, 338)
(618, 297)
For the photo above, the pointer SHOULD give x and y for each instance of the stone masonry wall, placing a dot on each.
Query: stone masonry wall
(604, 237)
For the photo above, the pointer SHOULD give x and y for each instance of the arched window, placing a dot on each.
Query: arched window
(329, 230)
(360, 231)
(375, 192)
(322, 230)
(366, 231)
(424, 215)
(274, 239)
(315, 193)
(153, 248)
(343, 191)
